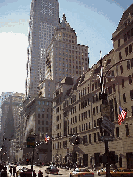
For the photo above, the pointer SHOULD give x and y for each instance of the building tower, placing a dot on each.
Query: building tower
(44, 17)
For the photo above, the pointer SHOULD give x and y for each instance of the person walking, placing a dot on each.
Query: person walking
(14, 171)
(10, 170)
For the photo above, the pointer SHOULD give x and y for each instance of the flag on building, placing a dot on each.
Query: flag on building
(47, 138)
(121, 116)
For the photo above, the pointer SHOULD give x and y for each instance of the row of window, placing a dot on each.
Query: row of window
(96, 137)
(42, 122)
(39, 116)
(41, 129)
(65, 46)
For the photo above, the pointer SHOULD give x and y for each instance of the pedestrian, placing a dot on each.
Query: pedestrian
(14, 171)
(10, 170)
(92, 167)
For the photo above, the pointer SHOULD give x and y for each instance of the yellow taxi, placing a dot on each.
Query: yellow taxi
(81, 172)
(103, 171)
(122, 172)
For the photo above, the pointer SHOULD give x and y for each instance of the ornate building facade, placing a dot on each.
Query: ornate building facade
(77, 107)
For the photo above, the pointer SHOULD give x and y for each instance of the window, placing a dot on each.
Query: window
(38, 115)
(126, 51)
(94, 137)
(108, 62)
(79, 107)
(89, 138)
(124, 97)
(121, 68)
(79, 128)
(65, 144)
(97, 122)
(132, 110)
(89, 125)
(130, 79)
(88, 101)
(86, 126)
(92, 86)
(125, 37)
(119, 43)
(131, 94)
(42, 122)
(132, 32)
(42, 129)
(122, 83)
(96, 85)
(128, 64)
(96, 97)
(120, 57)
(128, 34)
(42, 115)
(117, 131)
(94, 123)
(97, 109)
(89, 113)
(76, 119)
(127, 130)
(114, 88)
(84, 139)
(110, 90)
(38, 121)
(88, 89)
(130, 48)
(94, 111)
(98, 136)
(132, 62)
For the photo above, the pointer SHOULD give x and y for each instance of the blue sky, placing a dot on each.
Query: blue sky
(93, 20)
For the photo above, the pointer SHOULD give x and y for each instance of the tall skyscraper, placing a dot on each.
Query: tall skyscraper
(44, 17)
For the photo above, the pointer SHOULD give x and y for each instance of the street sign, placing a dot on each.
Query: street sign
(107, 125)
(105, 110)
(106, 138)
(31, 142)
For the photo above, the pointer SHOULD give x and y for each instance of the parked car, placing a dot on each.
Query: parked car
(52, 170)
(81, 172)
(28, 173)
(122, 172)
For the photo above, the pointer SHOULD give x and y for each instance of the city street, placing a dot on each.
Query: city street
(62, 172)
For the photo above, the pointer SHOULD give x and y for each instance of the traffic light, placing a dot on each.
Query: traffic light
(77, 140)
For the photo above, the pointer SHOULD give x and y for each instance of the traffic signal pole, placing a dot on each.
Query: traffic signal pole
(104, 101)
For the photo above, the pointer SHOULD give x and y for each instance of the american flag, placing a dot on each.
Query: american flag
(121, 116)
(47, 138)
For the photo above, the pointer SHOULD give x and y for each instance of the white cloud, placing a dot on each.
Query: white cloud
(13, 59)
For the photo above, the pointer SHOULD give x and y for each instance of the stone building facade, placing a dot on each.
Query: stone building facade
(37, 123)
(77, 107)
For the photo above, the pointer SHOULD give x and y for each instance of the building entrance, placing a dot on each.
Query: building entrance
(129, 157)
(85, 160)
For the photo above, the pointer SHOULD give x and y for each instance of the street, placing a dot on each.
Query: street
(62, 172)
